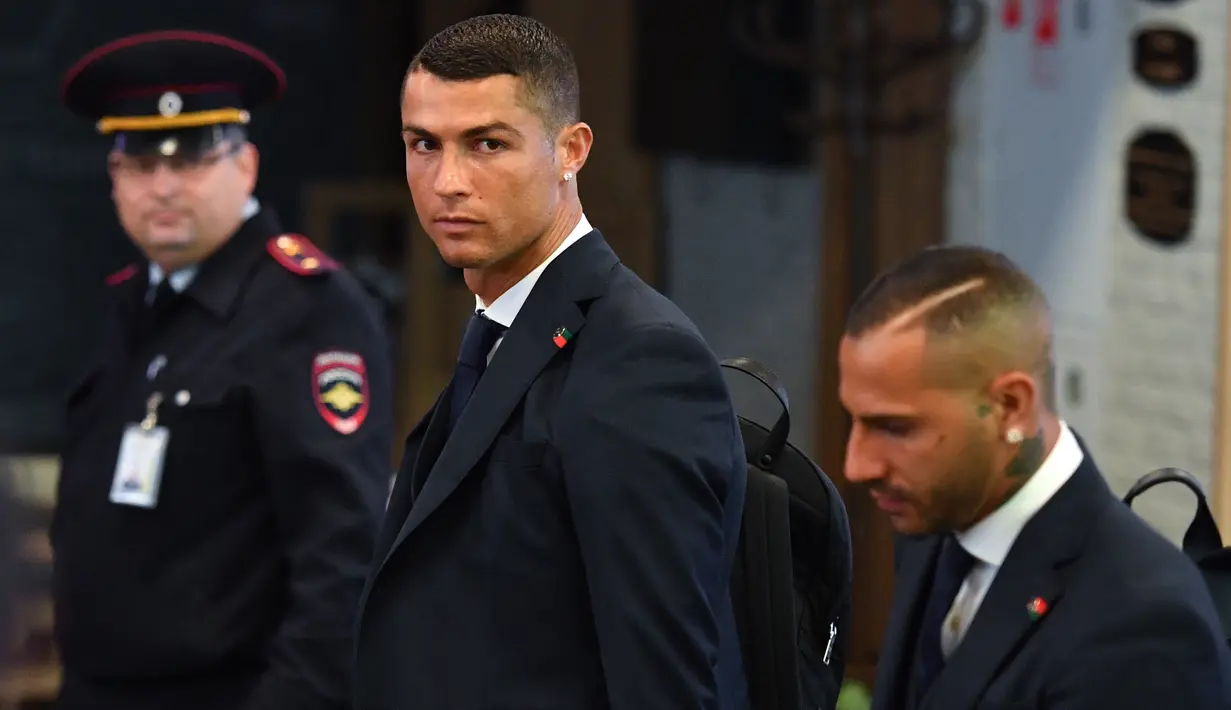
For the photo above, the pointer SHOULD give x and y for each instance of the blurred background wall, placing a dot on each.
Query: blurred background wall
(1044, 137)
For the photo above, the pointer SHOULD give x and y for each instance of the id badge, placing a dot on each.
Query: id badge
(138, 470)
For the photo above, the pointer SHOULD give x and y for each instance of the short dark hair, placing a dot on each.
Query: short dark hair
(491, 45)
(983, 287)
(995, 282)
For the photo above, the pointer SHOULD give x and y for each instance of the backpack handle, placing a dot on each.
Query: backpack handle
(1202, 536)
(776, 441)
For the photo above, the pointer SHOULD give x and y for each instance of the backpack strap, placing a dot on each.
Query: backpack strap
(765, 595)
(1202, 536)
(768, 454)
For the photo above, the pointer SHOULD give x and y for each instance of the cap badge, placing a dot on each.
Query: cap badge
(170, 104)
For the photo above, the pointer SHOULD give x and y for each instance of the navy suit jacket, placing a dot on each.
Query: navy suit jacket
(571, 544)
(1129, 623)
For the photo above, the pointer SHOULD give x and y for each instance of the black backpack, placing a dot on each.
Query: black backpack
(1202, 541)
(791, 586)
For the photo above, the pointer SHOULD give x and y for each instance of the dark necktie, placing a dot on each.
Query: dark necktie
(952, 565)
(164, 295)
(481, 334)
(154, 310)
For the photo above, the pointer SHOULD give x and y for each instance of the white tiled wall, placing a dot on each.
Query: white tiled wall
(1162, 333)
(1039, 173)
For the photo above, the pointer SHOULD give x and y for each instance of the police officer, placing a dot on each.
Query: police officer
(228, 447)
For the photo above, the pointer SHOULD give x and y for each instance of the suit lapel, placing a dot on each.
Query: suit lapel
(402, 497)
(431, 446)
(1034, 569)
(577, 275)
(893, 671)
(525, 351)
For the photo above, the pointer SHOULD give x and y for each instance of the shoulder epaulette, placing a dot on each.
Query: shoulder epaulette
(121, 276)
(297, 254)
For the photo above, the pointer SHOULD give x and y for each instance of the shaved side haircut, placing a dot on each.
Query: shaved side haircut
(982, 315)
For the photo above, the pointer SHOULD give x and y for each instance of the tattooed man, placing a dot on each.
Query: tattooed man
(1021, 581)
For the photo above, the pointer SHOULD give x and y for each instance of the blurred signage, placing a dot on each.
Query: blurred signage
(1011, 14)
(1046, 61)
(1046, 23)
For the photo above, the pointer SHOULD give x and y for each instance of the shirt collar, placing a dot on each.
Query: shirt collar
(505, 308)
(179, 279)
(182, 278)
(990, 539)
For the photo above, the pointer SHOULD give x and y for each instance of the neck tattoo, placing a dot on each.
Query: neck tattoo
(1023, 466)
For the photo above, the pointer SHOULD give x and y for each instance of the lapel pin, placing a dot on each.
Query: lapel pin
(1036, 608)
(561, 337)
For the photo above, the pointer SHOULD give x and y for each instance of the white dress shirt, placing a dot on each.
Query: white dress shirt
(990, 540)
(504, 309)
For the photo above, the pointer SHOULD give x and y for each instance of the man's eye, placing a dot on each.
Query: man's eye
(894, 428)
(142, 164)
(489, 145)
(422, 145)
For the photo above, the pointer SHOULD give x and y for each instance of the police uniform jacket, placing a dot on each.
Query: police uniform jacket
(238, 588)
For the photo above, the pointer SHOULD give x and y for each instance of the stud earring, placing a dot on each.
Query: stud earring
(1013, 436)
(568, 176)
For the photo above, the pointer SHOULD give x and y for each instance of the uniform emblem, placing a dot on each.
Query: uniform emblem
(122, 275)
(170, 104)
(340, 388)
(299, 255)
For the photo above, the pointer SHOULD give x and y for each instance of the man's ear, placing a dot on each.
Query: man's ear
(573, 147)
(112, 168)
(249, 160)
(1016, 400)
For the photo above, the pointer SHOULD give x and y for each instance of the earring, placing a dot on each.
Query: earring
(1013, 436)
(568, 176)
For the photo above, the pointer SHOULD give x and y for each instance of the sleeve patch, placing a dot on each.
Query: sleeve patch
(121, 276)
(298, 255)
(340, 389)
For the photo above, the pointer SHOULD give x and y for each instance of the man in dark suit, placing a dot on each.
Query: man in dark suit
(1022, 582)
(561, 533)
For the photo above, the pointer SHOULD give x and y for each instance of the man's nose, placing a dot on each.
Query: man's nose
(862, 465)
(452, 175)
(164, 180)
